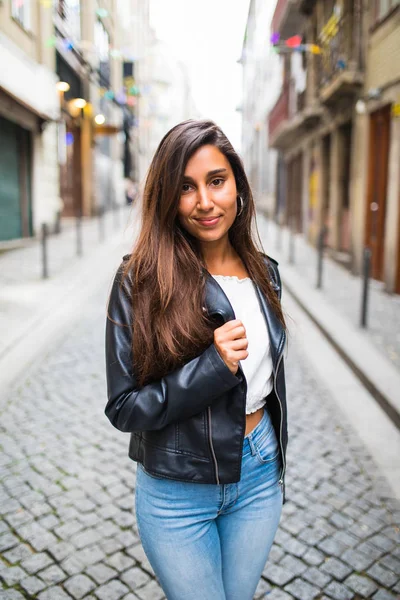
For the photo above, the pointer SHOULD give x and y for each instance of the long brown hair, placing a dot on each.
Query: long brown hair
(166, 266)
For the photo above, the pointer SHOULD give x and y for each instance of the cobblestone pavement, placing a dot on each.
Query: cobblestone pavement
(342, 290)
(67, 503)
(24, 292)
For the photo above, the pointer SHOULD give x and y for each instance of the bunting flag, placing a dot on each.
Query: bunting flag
(128, 94)
(293, 43)
(121, 97)
(275, 38)
(314, 49)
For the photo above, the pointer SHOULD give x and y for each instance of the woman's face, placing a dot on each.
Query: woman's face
(208, 205)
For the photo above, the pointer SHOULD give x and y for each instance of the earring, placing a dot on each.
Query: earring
(241, 206)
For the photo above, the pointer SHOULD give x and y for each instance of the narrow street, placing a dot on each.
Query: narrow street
(67, 502)
(113, 117)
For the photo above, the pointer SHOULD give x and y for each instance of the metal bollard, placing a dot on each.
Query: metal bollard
(321, 239)
(45, 271)
(78, 222)
(115, 215)
(366, 276)
(291, 245)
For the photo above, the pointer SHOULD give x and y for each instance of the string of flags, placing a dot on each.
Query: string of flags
(128, 94)
(69, 44)
(293, 43)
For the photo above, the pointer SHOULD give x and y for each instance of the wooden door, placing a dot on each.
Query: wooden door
(344, 187)
(377, 187)
(299, 192)
(326, 188)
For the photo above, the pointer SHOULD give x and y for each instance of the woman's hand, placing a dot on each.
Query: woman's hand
(231, 342)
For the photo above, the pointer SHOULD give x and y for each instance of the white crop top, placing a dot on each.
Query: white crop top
(257, 367)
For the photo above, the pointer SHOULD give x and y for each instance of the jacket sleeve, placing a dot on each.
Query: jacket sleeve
(179, 395)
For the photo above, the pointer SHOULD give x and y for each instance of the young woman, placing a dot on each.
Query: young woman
(194, 348)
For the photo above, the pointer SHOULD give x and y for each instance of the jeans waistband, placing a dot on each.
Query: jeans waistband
(259, 431)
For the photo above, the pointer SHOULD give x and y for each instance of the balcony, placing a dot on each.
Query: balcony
(279, 116)
(340, 68)
(291, 117)
(287, 19)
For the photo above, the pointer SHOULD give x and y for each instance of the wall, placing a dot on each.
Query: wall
(384, 53)
(32, 84)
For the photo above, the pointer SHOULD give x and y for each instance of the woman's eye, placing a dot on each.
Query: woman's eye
(185, 187)
(219, 181)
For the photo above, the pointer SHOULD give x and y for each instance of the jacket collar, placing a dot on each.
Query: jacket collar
(217, 303)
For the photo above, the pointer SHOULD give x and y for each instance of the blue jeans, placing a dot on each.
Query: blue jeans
(209, 541)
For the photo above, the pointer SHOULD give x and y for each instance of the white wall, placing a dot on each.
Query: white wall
(262, 79)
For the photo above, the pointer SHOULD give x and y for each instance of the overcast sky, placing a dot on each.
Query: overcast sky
(208, 37)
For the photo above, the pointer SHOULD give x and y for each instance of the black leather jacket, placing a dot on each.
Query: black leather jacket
(190, 424)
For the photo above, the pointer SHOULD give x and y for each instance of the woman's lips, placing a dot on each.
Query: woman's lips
(208, 222)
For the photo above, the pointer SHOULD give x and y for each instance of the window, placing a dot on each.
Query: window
(21, 12)
(382, 7)
(102, 42)
(70, 13)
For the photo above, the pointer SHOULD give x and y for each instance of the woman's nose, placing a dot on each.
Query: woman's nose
(204, 199)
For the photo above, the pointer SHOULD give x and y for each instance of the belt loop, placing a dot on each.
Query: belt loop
(252, 446)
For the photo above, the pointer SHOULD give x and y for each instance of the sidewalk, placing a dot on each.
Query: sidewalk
(32, 309)
(372, 353)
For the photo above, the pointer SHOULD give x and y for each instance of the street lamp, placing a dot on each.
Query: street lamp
(62, 86)
(79, 102)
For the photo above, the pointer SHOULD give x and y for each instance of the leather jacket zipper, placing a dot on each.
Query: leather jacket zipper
(211, 444)
(281, 417)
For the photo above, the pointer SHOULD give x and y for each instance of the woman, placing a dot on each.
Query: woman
(194, 343)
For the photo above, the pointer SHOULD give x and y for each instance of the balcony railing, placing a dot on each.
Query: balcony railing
(280, 112)
(340, 40)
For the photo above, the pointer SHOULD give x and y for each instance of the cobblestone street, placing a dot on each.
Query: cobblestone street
(67, 502)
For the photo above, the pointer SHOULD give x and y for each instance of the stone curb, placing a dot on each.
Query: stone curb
(376, 373)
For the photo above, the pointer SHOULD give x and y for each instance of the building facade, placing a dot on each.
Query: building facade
(262, 77)
(96, 58)
(168, 98)
(339, 138)
(69, 108)
(29, 109)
